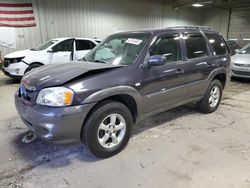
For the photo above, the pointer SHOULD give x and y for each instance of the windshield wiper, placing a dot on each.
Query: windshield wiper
(101, 61)
(32, 49)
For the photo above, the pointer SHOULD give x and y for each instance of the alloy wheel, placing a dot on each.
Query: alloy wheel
(111, 131)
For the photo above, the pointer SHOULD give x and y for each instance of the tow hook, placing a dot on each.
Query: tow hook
(29, 137)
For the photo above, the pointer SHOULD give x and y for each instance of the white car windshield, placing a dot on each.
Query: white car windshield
(44, 45)
(119, 49)
(245, 50)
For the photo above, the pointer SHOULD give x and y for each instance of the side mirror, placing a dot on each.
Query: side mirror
(237, 50)
(156, 60)
(50, 50)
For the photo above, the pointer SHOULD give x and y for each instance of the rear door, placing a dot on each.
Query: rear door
(83, 47)
(164, 86)
(199, 63)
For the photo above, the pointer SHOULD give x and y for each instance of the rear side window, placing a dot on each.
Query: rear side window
(84, 45)
(196, 46)
(169, 47)
(217, 43)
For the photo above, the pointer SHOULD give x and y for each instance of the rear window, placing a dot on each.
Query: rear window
(217, 43)
(196, 46)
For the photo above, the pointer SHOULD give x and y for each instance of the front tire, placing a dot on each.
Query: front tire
(107, 129)
(212, 98)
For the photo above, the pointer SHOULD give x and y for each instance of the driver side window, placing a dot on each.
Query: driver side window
(169, 47)
(64, 46)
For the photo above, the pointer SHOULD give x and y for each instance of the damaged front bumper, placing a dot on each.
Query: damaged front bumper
(61, 125)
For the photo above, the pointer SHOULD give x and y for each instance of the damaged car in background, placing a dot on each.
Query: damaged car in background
(59, 50)
(127, 77)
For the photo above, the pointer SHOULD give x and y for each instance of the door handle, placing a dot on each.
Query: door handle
(209, 65)
(180, 71)
(202, 63)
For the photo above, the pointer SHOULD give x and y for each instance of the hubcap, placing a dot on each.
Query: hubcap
(214, 96)
(111, 130)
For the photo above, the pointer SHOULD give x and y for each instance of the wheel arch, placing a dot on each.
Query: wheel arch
(118, 93)
(36, 63)
(221, 75)
(125, 99)
(33, 63)
(126, 95)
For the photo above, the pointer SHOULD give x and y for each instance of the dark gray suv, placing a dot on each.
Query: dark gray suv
(127, 77)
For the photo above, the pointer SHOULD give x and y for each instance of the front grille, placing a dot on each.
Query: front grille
(242, 65)
(241, 73)
(8, 61)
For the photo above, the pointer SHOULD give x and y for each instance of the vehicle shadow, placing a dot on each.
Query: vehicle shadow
(164, 117)
(4, 80)
(39, 152)
(242, 80)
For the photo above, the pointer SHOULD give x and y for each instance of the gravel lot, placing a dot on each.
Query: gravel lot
(175, 149)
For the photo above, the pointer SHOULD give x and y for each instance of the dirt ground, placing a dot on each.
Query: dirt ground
(175, 149)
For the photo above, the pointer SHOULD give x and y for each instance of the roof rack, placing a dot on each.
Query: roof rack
(191, 27)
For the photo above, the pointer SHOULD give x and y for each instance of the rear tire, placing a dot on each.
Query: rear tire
(33, 66)
(212, 98)
(107, 129)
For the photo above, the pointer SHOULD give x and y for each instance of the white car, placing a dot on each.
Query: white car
(240, 65)
(58, 50)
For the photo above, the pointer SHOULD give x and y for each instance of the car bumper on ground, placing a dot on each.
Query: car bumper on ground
(61, 125)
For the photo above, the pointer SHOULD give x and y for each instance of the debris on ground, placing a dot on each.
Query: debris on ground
(29, 137)
(142, 166)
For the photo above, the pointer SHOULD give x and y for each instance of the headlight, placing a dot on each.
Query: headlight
(55, 96)
(17, 60)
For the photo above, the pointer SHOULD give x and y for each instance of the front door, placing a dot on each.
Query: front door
(62, 52)
(164, 86)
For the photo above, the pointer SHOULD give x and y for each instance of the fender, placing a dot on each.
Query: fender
(205, 83)
(117, 90)
(217, 71)
(39, 58)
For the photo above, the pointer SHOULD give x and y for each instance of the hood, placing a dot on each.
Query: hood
(241, 58)
(21, 53)
(59, 74)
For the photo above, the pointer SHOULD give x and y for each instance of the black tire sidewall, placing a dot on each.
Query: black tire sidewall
(204, 103)
(92, 125)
